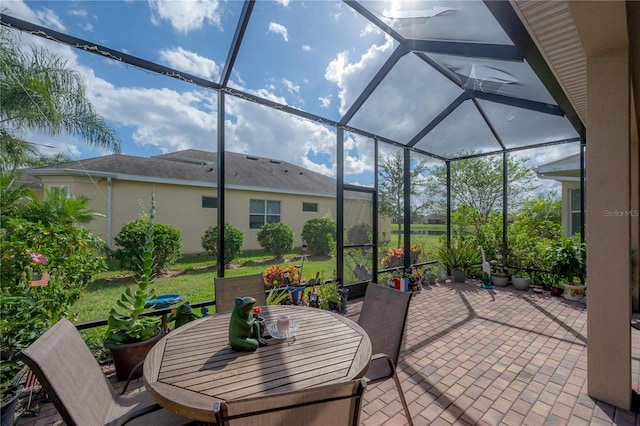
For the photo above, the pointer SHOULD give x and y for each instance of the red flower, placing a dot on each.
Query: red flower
(257, 310)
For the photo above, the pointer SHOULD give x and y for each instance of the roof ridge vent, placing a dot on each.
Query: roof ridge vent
(251, 157)
(275, 161)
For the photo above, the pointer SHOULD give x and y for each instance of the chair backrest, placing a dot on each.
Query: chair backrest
(333, 404)
(227, 289)
(70, 375)
(383, 317)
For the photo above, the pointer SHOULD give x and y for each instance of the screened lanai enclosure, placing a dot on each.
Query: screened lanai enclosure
(349, 91)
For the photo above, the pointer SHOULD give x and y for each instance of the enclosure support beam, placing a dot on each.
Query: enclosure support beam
(221, 184)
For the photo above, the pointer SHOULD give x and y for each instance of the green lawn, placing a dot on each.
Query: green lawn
(192, 278)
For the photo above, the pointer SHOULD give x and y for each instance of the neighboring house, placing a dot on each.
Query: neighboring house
(258, 190)
(567, 172)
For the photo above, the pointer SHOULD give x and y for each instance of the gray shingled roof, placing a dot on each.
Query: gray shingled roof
(244, 171)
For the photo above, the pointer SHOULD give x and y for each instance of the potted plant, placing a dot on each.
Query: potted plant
(458, 258)
(130, 335)
(567, 262)
(499, 274)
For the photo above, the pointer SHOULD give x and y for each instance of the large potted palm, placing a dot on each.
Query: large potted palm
(567, 261)
(130, 335)
(458, 258)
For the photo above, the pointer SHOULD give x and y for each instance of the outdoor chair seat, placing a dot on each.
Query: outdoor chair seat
(383, 317)
(81, 393)
(227, 289)
(326, 405)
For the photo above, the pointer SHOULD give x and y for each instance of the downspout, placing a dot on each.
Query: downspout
(109, 215)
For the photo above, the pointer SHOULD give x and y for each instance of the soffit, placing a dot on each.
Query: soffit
(550, 24)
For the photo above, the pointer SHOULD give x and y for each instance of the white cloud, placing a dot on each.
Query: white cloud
(292, 88)
(325, 101)
(50, 19)
(306, 48)
(190, 62)
(350, 77)
(285, 3)
(279, 29)
(87, 27)
(78, 12)
(186, 15)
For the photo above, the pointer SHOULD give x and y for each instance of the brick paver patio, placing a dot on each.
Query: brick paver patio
(485, 357)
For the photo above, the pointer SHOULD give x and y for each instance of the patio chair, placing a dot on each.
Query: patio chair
(82, 394)
(333, 404)
(227, 289)
(383, 317)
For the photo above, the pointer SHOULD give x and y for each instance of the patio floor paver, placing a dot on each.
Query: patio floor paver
(486, 357)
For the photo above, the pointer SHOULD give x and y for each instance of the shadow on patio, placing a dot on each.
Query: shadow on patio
(474, 356)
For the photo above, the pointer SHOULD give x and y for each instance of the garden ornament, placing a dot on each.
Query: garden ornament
(486, 269)
(244, 329)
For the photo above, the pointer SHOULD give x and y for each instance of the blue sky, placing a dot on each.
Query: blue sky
(312, 55)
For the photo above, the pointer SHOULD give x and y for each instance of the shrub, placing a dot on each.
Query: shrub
(131, 240)
(276, 238)
(320, 234)
(73, 256)
(360, 233)
(233, 241)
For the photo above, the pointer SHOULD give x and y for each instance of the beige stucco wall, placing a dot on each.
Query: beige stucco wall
(181, 206)
(602, 27)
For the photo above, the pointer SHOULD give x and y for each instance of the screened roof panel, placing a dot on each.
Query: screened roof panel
(518, 127)
(434, 20)
(464, 129)
(410, 97)
(509, 78)
(177, 39)
(322, 75)
(408, 72)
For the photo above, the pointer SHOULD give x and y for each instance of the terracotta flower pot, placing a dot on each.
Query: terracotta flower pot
(556, 291)
(126, 357)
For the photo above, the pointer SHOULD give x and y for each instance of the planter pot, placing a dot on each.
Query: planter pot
(8, 410)
(458, 275)
(127, 357)
(537, 289)
(521, 283)
(500, 280)
(556, 291)
(573, 291)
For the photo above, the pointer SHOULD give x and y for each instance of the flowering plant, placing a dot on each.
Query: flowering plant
(275, 275)
(257, 310)
(395, 256)
(38, 260)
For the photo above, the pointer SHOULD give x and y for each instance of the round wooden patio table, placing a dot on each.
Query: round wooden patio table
(193, 366)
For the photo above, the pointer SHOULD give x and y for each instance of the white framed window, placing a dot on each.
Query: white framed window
(574, 211)
(263, 211)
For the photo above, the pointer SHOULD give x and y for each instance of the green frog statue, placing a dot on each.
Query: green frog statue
(244, 329)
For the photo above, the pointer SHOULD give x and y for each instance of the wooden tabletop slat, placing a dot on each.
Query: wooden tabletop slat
(194, 366)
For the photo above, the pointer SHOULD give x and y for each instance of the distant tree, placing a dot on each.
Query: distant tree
(477, 183)
(41, 92)
(391, 186)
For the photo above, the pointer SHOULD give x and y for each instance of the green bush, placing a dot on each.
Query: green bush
(320, 234)
(69, 254)
(233, 241)
(360, 233)
(276, 238)
(131, 239)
